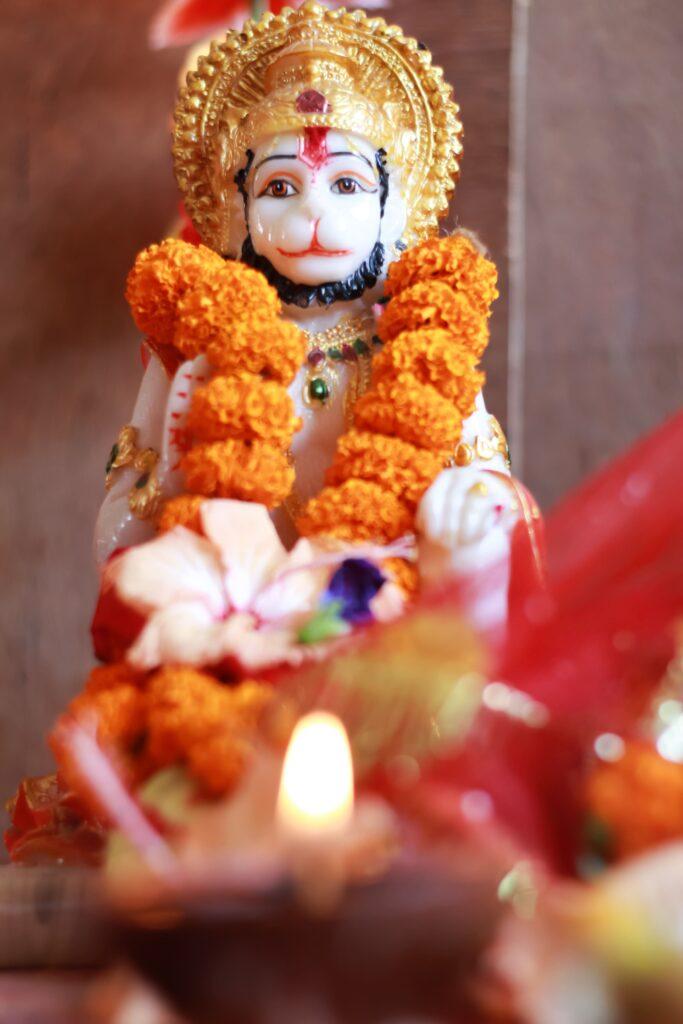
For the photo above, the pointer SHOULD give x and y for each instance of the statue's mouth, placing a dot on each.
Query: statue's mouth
(314, 250)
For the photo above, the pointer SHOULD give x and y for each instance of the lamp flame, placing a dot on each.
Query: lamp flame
(316, 788)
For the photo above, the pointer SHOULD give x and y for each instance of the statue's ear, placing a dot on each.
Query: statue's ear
(395, 213)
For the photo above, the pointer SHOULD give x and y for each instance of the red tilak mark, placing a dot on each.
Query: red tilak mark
(175, 415)
(181, 394)
(313, 147)
(187, 376)
(200, 379)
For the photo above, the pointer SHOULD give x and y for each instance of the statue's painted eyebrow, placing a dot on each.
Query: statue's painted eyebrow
(293, 156)
(347, 152)
(276, 156)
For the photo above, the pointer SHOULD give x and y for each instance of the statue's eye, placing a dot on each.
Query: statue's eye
(278, 189)
(346, 186)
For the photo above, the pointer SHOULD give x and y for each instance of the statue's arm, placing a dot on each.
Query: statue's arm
(117, 526)
(466, 517)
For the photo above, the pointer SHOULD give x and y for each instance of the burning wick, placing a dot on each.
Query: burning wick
(329, 839)
(316, 787)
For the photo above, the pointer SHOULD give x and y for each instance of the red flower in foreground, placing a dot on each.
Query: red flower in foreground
(183, 22)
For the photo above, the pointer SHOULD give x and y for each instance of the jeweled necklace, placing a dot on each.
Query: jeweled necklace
(343, 344)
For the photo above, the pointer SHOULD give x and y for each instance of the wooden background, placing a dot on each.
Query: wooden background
(594, 355)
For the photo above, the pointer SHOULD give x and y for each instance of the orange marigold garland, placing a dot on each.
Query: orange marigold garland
(398, 466)
(185, 510)
(456, 260)
(356, 510)
(244, 470)
(424, 384)
(431, 304)
(637, 798)
(434, 357)
(192, 716)
(208, 312)
(417, 413)
(160, 277)
(244, 407)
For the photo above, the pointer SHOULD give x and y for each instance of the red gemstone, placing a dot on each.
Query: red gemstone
(311, 102)
(316, 357)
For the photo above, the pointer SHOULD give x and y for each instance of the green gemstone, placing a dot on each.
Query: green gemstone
(318, 390)
(112, 459)
(360, 347)
(335, 353)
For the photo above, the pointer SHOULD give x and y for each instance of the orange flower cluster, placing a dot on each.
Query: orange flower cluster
(424, 384)
(394, 464)
(243, 420)
(639, 798)
(176, 715)
(243, 407)
(459, 263)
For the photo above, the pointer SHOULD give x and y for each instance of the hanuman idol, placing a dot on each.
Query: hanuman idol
(311, 410)
(310, 445)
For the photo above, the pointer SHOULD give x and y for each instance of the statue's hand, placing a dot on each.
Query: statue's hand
(464, 505)
(464, 523)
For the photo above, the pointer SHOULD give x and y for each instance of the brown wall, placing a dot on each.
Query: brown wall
(87, 182)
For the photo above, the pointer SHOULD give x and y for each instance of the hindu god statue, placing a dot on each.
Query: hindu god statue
(310, 444)
(317, 354)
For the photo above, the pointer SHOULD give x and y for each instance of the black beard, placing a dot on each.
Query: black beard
(304, 295)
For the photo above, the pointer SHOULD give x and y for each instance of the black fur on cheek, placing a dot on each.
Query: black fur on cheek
(383, 174)
(305, 295)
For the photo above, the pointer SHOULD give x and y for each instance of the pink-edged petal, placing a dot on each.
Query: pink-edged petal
(249, 547)
(177, 566)
(184, 634)
(296, 588)
(257, 649)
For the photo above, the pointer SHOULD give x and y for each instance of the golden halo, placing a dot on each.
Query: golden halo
(389, 72)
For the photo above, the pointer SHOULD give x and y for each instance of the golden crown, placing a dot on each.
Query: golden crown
(314, 66)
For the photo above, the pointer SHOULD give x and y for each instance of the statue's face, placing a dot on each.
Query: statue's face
(314, 204)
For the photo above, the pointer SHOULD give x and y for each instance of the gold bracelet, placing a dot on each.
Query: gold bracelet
(144, 497)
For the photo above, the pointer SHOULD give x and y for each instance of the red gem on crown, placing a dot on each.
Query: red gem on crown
(311, 102)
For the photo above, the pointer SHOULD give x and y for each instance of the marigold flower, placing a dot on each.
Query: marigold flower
(434, 356)
(356, 510)
(208, 312)
(159, 277)
(403, 573)
(219, 762)
(266, 345)
(206, 724)
(119, 711)
(435, 304)
(639, 798)
(398, 466)
(245, 470)
(454, 260)
(181, 511)
(245, 407)
(415, 412)
(107, 677)
(185, 705)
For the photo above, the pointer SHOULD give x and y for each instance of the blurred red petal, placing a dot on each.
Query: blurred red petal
(181, 22)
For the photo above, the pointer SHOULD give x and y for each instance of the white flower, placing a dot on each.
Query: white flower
(232, 593)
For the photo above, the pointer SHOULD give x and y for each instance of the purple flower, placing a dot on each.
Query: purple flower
(352, 587)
